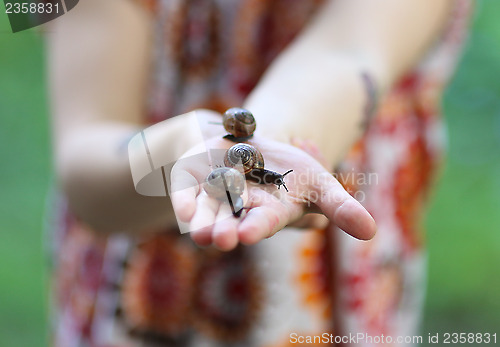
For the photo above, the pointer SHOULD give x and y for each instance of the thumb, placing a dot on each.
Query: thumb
(342, 209)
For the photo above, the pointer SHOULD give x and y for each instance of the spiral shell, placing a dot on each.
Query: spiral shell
(216, 187)
(239, 122)
(246, 155)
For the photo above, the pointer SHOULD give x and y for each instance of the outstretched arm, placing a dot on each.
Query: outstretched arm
(98, 59)
(315, 91)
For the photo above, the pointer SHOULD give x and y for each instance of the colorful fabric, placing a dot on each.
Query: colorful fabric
(159, 289)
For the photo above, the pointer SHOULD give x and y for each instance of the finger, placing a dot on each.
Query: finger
(260, 223)
(225, 235)
(267, 216)
(341, 208)
(203, 220)
(202, 237)
(183, 192)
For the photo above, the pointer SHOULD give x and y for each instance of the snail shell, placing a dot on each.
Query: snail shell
(239, 122)
(246, 155)
(224, 178)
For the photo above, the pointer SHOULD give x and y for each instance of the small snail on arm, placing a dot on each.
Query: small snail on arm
(253, 165)
(226, 184)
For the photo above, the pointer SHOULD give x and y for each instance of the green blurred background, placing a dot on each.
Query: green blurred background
(463, 233)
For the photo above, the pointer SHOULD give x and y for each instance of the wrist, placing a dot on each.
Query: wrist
(324, 103)
(312, 149)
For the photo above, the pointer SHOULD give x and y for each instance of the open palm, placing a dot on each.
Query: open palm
(311, 188)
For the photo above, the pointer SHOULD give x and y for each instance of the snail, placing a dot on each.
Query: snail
(239, 123)
(253, 165)
(226, 184)
(246, 155)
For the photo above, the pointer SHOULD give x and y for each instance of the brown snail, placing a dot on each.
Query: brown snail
(226, 184)
(239, 123)
(252, 163)
(244, 155)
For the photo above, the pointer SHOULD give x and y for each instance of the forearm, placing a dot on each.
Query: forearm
(315, 89)
(303, 103)
(98, 59)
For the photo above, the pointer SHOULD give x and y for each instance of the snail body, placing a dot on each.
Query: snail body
(264, 176)
(239, 123)
(252, 163)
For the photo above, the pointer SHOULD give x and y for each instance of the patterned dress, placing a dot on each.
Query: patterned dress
(159, 289)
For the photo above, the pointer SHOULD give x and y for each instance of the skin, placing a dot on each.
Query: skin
(270, 209)
(99, 56)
